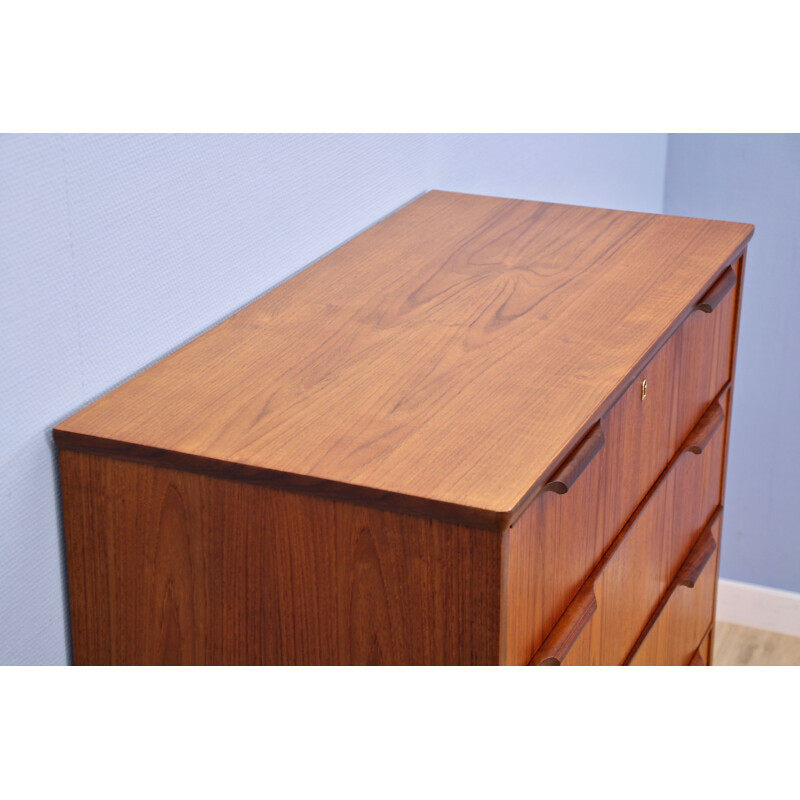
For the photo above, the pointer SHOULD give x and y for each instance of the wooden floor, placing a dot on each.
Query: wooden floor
(737, 646)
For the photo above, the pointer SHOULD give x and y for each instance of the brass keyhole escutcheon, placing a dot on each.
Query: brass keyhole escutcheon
(644, 388)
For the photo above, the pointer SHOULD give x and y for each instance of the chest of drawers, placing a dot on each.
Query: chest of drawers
(485, 431)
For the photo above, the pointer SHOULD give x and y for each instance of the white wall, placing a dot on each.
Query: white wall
(115, 250)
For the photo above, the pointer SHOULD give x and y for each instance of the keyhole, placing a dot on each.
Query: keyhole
(644, 388)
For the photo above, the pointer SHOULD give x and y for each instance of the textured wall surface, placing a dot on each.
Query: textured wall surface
(116, 249)
(756, 178)
(608, 171)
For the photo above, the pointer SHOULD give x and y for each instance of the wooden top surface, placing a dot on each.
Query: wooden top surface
(449, 356)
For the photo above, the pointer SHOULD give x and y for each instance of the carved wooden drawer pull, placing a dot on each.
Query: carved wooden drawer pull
(716, 294)
(576, 462)
(567, 630)
(697, 660)
(704, 431)
(579, 612)
(695, 562)
(688, 574)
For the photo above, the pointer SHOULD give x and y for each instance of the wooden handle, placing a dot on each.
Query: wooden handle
(704, 431)
(697, 660)
(715, 295)
(687, 575)
(576, 462)
(696, 561)
(555, 647)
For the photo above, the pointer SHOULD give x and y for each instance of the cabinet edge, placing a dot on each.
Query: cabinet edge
(481, 518)
(484, 519)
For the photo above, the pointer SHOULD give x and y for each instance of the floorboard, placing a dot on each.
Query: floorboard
(738, 646)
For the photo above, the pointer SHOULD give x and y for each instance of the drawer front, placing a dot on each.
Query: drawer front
(606, 617)
(677, 632)
(556, 543)
(702, 656)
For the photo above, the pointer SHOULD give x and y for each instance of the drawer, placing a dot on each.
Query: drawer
(604, 621)
(675, 634)
(600, 484)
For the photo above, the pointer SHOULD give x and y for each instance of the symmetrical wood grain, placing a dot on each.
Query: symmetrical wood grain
(169, 567)
(443, 362)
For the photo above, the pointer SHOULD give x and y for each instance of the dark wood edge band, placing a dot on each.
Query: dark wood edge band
(286, 481)
(484, 519)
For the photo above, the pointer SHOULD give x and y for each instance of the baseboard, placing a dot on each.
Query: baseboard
(758, 607)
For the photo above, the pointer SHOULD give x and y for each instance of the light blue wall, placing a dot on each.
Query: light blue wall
(756, 178)
(115, 250)
(604, 170)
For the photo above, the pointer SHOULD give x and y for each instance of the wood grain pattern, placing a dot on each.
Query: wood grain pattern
(431, 447)
(683, 617)
(443, 362)
(635, 572)
(169, 567)
(565, 535)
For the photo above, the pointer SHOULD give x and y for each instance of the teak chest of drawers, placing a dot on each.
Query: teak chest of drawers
(485, 431)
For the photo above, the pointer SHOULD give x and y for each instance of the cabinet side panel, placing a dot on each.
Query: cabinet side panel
(90, 595)
(172, 567)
